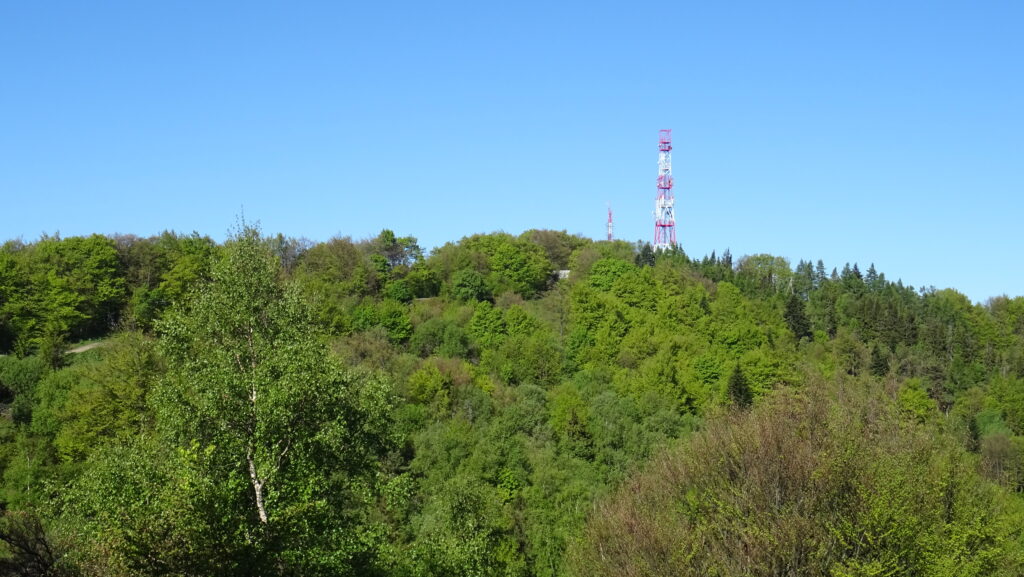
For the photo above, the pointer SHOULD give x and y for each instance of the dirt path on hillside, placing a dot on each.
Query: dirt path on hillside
(84, 348)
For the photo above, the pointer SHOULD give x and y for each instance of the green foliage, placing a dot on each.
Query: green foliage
(59, 288)
(161, 270)
(645, 256)
(398, 252)
(467, 532)
(109, 399)
(439, 336)
(336, 268)
(796, 318)
(148, 508)
(814, 484)
(764, 274)
(558, 245)
(27, 460)
(427, 385)
(483, 265)
(533, 359)
(31, 549)
(423, 281)
(398, 290)
(287, 436)
(522, 403)
(914, 400)
(468, 285)
(487, 326)
(1007, 394)
(18, 380)
(606, 272)
(391, 315)
(517, 266)
(583, 258)
(738, 389)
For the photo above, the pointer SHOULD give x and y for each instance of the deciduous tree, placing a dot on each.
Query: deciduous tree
(290, 434)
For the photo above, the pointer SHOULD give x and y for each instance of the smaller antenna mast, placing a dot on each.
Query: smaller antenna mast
(610, 225)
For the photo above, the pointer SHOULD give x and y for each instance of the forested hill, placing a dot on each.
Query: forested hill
(272, 406)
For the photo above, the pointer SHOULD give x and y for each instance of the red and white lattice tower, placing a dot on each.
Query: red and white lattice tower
(610, 228)
(665, 206)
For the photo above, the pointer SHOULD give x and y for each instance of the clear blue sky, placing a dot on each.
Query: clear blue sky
(885, 132)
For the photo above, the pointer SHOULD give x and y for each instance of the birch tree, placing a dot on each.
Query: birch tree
(291, 434)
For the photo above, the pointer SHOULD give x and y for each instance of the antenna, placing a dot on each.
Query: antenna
(664, 206)
(610, 225)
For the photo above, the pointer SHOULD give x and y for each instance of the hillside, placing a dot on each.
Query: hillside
(272, 406)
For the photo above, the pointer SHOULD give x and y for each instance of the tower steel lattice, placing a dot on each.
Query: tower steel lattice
(664, 206)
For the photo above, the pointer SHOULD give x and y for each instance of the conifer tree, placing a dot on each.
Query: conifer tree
(739, 389)
(872, 277)
(646, 255)
(796, 317)
(819, 273)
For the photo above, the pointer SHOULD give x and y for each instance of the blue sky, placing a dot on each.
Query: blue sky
(884, 132)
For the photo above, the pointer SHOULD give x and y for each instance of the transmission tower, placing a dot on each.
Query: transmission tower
(610, 227)
(664, 207)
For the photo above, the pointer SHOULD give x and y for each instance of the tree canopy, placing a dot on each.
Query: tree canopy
(275, 406)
